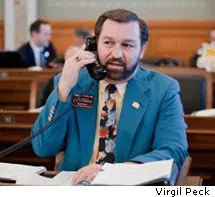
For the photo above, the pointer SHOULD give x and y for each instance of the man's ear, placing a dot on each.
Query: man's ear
(143, 50)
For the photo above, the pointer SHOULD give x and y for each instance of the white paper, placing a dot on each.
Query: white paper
(205, 112)
(32, 179)
(133, 174)
(62, 178)
(12, 171)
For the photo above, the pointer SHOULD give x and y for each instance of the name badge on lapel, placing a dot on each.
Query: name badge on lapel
(82, 101)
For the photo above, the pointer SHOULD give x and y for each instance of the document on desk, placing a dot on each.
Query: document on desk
(134, 174)
(62, 178)
(32, 179)
(12, 171)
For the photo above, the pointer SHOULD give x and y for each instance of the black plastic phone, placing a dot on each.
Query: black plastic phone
(95, 70)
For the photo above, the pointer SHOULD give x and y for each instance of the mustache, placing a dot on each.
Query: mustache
(116, 61)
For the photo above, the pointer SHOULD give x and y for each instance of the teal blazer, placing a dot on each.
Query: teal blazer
(154, 131)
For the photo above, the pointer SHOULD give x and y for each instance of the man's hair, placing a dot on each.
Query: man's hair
(122, 16)
(35, 26)
(82, 32)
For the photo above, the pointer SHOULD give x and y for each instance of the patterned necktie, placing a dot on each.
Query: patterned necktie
(107, 132)
(42, 59)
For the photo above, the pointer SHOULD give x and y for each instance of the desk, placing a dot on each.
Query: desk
(15, 93)
(19, 87)
(201, 138)
(182, 179)
(24, 72)
(19, 93)
(14, 127)
(188, 181)
(200, 134)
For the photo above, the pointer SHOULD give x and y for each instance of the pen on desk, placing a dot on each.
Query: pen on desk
(83, 183)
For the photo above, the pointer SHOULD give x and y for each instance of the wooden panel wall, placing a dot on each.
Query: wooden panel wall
(1, 34)
(177, 39)
(62, 32)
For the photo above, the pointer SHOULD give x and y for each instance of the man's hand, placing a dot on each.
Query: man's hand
(71, 70)
(86, 173)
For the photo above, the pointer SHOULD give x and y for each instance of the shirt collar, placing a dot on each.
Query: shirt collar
(34, 47)
(120, 87)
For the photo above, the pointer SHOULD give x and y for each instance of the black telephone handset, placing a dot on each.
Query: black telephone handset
(95, 70)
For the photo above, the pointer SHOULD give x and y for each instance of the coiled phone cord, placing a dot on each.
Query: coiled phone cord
(46, 126)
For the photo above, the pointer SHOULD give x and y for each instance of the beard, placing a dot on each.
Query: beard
(120, 71)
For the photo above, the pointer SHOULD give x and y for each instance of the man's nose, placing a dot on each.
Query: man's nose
(117, 52)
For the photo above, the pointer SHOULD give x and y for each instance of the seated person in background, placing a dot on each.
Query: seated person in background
(79, 37)
(132, 116)
(205, 56)
(39, 51)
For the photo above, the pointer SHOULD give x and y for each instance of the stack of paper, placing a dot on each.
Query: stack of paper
(111, 174)
(134, 174)
(12, 171)
(32, 179)
(62, 178)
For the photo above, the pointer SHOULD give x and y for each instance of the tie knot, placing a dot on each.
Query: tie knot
(111, 88)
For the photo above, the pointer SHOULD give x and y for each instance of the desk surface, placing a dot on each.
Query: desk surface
(189, 181)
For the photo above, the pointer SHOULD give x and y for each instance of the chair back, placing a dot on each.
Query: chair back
(183, 173)
(196, 90)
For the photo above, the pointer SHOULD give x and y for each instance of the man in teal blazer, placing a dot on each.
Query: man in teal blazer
(151, 125)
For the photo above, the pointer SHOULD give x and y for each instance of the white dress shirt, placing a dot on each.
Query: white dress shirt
(119, 96)
(36, 50)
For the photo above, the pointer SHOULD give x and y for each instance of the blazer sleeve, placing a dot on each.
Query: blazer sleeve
(170, 139)
(45, 92)
(51, 141)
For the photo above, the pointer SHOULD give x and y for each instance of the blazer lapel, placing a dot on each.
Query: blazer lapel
(135, 103)
(30, 55)
(86, 118)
